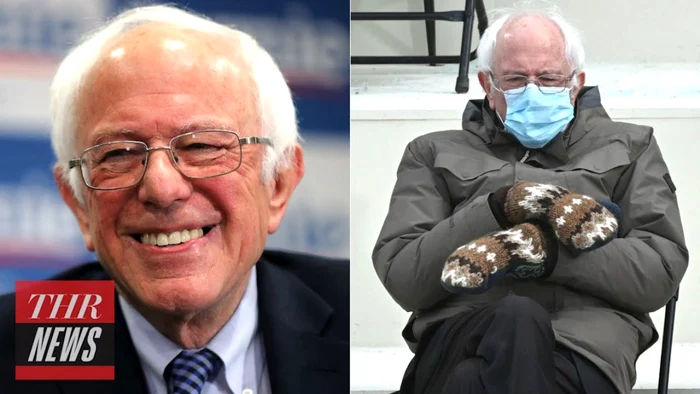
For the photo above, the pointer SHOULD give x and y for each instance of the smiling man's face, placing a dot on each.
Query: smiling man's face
(150, 85)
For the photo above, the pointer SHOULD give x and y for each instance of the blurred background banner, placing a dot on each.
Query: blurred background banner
(308, 38)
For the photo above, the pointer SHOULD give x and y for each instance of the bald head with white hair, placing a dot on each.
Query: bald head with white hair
(529, 43)
(275, 106)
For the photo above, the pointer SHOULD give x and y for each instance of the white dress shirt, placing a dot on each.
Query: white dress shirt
(239, 344)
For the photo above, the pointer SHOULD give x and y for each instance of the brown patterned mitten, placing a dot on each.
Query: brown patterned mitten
(579, 222)
(525, 251)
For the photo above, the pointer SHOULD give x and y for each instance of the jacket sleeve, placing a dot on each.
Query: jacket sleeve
(421, 230)
(641, 269)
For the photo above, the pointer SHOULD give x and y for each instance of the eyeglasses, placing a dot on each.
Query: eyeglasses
(547, 83)
(198, 154)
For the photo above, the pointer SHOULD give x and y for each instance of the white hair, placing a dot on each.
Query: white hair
(574, 52)
(276, 109)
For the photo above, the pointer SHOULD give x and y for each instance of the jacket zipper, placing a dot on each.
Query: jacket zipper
(525, 156)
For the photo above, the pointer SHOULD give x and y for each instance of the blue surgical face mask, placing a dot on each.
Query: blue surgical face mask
(535, 118)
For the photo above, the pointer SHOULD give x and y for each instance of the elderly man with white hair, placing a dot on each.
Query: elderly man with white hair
(177, 147)
(531, 245)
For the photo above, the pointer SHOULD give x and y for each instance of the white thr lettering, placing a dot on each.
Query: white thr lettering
(69, 307)
(39, 303)
(89, 302)
(93, 307)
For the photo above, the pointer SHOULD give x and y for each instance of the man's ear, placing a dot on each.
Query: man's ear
(485, 82)
(581, 78)
(281, 188)
(75, 206)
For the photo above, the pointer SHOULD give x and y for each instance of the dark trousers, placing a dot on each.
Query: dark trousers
(505, 348)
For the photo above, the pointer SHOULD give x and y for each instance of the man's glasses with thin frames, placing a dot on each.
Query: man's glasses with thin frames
(198, 154)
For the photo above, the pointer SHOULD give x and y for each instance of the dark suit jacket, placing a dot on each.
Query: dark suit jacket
(304, 308)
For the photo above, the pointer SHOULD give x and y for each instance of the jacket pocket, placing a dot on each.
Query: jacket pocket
(597, 173)
(469, 177)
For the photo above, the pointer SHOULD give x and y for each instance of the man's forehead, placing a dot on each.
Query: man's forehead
(153, 60)
(157, 42)
(530, 43)
(528, 26)
(159, 31)
(159, 51)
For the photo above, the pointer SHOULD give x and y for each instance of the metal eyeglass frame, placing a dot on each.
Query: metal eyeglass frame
(77, 162)
(530, 80)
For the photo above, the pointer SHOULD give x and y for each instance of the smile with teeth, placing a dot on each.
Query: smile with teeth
(174, 238)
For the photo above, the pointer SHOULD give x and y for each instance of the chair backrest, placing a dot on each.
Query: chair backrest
(472, 9)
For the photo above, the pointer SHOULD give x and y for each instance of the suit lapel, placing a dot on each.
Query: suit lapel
(128, 374)
(292, 319)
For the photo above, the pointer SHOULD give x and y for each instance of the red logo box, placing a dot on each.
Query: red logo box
(64, 330)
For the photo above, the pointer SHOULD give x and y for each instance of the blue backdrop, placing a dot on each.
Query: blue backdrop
(308, 38)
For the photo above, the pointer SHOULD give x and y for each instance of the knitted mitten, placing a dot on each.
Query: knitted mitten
(579, 222)
(525, 251)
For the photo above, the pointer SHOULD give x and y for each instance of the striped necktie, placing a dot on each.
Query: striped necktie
(190, 370)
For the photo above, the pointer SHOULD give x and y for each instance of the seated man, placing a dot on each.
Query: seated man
(178, 153)
(532, 245)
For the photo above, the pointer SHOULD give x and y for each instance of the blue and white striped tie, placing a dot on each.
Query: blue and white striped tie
(190, 370)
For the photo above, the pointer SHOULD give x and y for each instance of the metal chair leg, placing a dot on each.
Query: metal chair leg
(462, 85)
(666, 344)
(429, 6)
